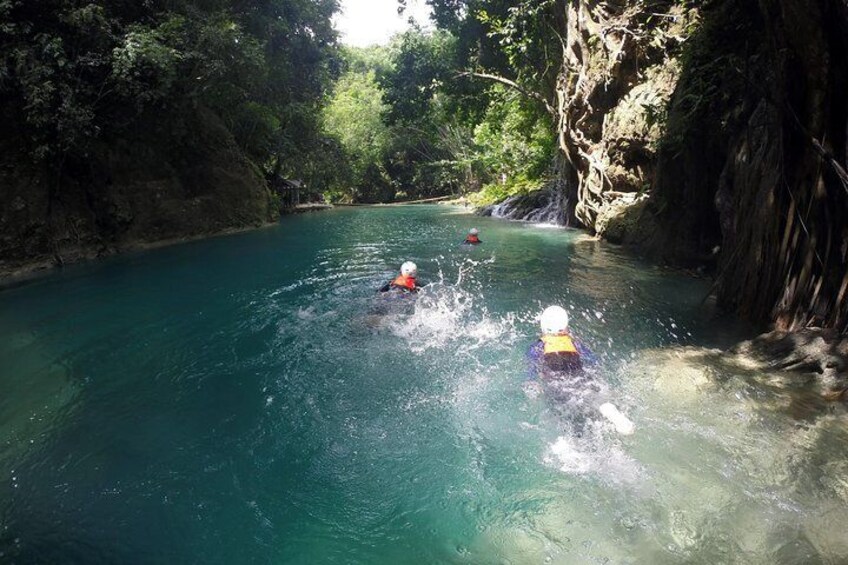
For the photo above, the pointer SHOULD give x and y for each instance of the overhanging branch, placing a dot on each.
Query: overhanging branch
(515, 86)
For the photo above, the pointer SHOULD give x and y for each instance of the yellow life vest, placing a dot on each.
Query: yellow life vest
(559, 344)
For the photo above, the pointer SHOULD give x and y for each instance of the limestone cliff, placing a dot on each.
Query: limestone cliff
(753, 161)
(621, 62)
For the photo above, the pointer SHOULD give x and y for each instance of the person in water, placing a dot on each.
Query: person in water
(557, 355)
(562, 365)
(473, 237)
(406, 281)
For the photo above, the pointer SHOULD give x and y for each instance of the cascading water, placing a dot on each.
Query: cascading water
(546, 206)
(549, 206)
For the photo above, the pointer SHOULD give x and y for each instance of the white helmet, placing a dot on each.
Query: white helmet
(473, 231)
(409, 269)
(554, 320)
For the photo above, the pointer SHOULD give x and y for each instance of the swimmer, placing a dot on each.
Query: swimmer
(559, 362)
(406, 281)
(473, 237)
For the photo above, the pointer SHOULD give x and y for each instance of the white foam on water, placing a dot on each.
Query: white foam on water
(547, 226)
(435, 321)
(306, 313)
(596, 453)
(565, 455)
(445, 312)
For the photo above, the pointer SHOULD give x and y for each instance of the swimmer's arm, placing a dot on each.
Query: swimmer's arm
(385, 288)
(534, 358)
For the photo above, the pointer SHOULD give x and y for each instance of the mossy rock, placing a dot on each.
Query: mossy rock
(626, 222)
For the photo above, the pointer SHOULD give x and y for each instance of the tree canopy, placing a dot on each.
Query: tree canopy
(415, 126)
(73, 74)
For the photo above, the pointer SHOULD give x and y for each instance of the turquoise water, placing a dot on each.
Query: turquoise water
(246, 399)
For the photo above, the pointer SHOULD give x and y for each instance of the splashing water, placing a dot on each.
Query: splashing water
(252, 398)
(445, 312)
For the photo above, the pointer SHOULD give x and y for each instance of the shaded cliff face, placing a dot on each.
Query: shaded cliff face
(756, 157)
(136, 191)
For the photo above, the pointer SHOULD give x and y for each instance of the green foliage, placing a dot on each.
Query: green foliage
(75, 75)
(255, 127)
(506, 133)
(385, 113)
(517, 40)
(422, 63)
(410, 128)
(363, 59)
(495, 192)
(656, 114)
(275, 202)
(354, 118)
(78, 76)
(144, 68)
(514, 139)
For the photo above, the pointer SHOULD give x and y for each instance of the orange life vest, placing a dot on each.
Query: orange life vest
(472, 239)
(404, 281)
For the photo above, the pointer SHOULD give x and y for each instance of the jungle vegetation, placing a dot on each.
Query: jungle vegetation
(707, 132)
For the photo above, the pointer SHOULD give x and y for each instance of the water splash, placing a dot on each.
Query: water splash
(594, 454)
(445, 312)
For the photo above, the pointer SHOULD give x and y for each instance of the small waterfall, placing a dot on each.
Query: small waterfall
(549, 205)
(546, 206)
(552, 213)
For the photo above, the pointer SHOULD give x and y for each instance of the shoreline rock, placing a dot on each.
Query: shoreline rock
(303, 208)
(809, 364)
(818, 353)
(16, 272)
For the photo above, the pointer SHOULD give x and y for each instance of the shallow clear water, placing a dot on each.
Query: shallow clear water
(248, 399)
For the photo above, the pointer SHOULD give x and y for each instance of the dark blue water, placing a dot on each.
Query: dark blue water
(247, 399)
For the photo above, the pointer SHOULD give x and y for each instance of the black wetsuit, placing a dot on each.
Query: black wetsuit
(570, 383)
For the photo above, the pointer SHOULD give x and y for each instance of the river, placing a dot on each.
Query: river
(247, 399)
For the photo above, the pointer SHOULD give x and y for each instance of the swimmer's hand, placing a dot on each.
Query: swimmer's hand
(622, 424)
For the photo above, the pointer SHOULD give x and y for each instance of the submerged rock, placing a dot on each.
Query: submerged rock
(811, 350)
(820, 354)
